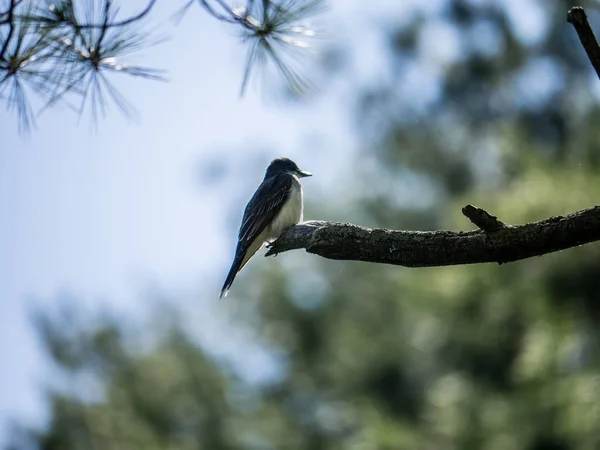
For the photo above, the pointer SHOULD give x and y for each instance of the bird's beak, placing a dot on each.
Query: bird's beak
(302, 174)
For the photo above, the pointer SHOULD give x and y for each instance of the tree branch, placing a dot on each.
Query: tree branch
(504, 244)
(578, 18)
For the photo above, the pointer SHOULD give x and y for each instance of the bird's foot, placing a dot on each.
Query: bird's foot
(270, 245)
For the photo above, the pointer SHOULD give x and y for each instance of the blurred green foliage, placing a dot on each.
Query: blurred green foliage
(378, 357)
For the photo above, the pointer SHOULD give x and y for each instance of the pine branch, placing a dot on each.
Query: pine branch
(65, 51)
(10, 20)
(121, 23)
(9, 11)
(494, 242)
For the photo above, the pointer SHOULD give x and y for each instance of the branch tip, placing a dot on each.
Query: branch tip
(578, 18)
(576, 15)
(482, 219)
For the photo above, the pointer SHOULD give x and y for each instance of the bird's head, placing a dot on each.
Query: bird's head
(285, 165)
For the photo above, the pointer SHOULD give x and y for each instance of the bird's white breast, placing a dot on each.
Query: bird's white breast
(290, 214)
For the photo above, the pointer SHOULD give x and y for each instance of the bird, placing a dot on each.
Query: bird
(275, 206)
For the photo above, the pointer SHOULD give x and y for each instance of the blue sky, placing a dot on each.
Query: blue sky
(102, 214)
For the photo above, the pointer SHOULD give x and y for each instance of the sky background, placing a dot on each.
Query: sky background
(104, 214)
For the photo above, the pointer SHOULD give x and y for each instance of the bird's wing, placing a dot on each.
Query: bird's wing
(263, 207)
(261, 210)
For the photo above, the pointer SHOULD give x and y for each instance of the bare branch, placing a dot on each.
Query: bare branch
(345, 241)
(578, 18)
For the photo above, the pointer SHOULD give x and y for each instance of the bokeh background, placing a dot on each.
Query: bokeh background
(115, 240)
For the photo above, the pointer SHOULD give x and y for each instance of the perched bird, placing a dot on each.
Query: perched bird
(275, 206)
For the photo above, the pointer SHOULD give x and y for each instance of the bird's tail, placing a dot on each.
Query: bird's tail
(235, 268)
(242, 256)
